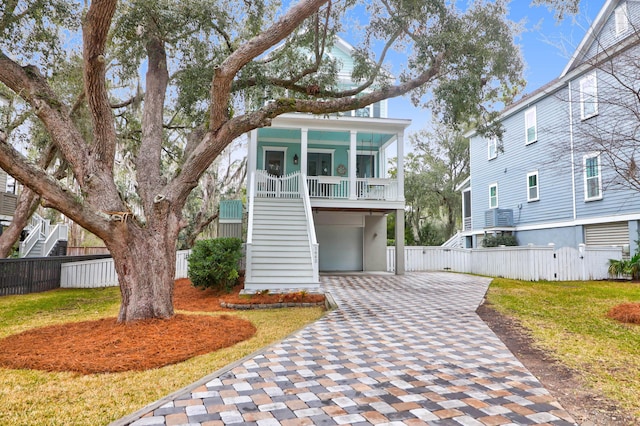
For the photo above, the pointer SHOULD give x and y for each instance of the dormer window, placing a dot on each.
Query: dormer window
(621, 19)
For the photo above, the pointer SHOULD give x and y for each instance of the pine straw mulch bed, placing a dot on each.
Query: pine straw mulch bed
(104, 346)
(625, 312)
(189, 298)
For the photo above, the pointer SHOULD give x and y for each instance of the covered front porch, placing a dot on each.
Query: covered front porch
(343, 159)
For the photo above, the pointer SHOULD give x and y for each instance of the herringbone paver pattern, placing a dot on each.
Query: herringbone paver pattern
(400, 350)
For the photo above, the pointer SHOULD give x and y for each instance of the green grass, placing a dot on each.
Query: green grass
(39, 398)
(568, 320)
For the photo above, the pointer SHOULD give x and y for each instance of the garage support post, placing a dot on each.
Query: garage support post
(400, 242)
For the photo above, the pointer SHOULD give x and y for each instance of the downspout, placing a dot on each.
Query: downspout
(573, 164)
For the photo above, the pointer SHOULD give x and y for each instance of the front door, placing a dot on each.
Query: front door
(274, 162)
(319, 164)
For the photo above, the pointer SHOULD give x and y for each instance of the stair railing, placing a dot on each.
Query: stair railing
(248, 245)
(38, 229)
(313, 242)
(60, 232)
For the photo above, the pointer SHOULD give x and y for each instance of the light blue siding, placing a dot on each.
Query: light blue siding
(607, 36)
(510, 168)
(594, 134)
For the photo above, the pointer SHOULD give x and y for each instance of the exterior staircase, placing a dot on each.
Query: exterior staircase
(455, 241)
(44, 240)
(281, 254)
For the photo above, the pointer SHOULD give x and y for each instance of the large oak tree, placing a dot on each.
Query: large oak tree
(213, 64)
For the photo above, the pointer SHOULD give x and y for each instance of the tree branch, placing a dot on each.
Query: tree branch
(148, 159)
(51, 192)
(225, 73)
(213, 143)
(32, 87)
(94, 36)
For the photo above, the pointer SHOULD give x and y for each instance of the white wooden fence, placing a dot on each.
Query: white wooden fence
(529, 263)
(102, 273)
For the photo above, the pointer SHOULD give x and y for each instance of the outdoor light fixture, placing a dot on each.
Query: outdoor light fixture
(295, 159)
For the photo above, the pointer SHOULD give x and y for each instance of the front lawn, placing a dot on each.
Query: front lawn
(31, 397)
(568, 320)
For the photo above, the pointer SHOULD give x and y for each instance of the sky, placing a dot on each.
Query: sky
(546, 46)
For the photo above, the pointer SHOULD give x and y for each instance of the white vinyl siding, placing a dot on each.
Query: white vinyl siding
(592, 178)
(621, 19)
(493, 196)
(588, 96)
(533, 189)
(492, 148)
(530, 125)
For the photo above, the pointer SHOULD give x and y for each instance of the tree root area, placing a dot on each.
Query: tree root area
(104, 346)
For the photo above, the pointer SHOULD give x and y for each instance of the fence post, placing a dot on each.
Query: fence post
(581, 249)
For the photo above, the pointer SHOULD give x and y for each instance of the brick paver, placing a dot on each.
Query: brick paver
(400, 350)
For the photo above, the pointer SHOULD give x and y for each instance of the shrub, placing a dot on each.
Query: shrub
(214, 263)
(629, 267)
(499, 240)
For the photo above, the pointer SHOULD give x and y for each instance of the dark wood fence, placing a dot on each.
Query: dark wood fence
(34, 274)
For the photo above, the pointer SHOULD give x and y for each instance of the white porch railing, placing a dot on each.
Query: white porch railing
(339, 187)
(267, 185)
(529, 263)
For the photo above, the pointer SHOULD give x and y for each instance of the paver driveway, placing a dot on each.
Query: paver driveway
(399, 350)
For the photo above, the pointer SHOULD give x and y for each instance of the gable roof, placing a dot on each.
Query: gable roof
(592, 33)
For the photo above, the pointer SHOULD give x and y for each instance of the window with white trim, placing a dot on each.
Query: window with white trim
(533, 191)
(621, 19)
(530, 125)
(493, 196)
(592, 177)
(588, 96)
(492, 148)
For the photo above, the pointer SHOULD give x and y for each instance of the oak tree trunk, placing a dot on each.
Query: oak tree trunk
(146, 264)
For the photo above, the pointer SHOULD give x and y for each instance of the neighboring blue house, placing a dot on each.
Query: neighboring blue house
(552, 178)
(319, 193)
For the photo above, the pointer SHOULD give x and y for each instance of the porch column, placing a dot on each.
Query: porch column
(400, 174)
(352, 165)
(304, 141)
(400, 242)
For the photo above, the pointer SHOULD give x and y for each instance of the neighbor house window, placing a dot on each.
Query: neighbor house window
(530, 125)
(493, 196)
(622, 19)
(592, 178)
(533, 192)
(588, 96)
(492, 148)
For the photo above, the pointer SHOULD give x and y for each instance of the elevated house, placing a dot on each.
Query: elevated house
(319, 193)
(561, 172)
(8, 201)
(41, 239)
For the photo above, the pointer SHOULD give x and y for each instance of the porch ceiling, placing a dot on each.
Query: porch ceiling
(363, 139)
